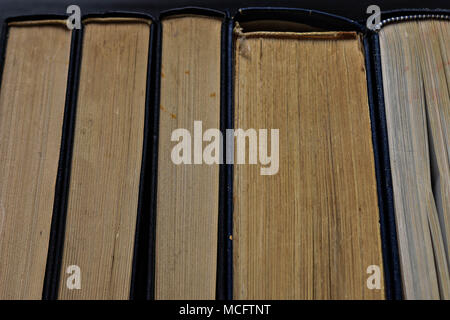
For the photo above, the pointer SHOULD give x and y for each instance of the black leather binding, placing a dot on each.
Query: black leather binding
(228, 216)
(143, 223)
(390, 234)
(221, 283)
(156, 77)
(387, 223)
(412, 11)
(313, 18)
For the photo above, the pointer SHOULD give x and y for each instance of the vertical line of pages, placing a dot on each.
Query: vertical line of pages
(185, 255)
(106, 288)
(25, 280)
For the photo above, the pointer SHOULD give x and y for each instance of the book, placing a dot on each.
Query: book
(415, 60)
(187, 204)
(106, 160)
(113, 150)
(311, 230)
(32, 101)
